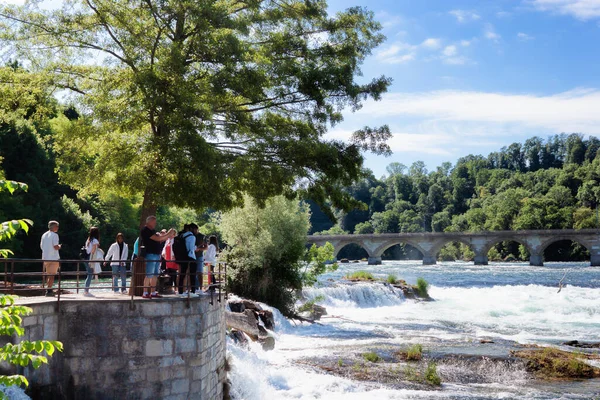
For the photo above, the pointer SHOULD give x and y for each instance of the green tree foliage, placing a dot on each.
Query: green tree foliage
(542, 184)
(220, 97)
(266, 250)
(317, 262)
(25, 352)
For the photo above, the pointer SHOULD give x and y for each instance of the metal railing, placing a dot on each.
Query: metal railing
(71, 280)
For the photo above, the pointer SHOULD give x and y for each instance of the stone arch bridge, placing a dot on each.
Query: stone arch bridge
(430, 243)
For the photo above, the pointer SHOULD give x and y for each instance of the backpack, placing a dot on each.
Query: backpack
(83, 254)
(179, 248)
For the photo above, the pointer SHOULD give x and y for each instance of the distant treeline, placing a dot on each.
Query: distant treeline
(541, 184)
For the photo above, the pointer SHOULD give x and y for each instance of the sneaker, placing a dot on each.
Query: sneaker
(156, 296)
(49, 293)
(124, 292)
(194, 295)
(88, 294)
(146, 296)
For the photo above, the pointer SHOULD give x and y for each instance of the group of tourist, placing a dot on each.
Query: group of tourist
(183, 254)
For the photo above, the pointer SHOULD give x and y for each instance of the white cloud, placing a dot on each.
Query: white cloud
(490, 33)
(465, 43)
(432, 43)
(397, 53)
(450, 51)
(503, 14)
(463, 16)
(573, 111)
(580, 9)
(524, 37)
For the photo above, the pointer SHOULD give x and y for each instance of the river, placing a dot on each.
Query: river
(503, 302)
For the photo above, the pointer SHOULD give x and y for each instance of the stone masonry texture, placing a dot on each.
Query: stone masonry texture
(158, 350)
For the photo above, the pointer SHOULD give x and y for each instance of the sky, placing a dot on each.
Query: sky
(472, 76)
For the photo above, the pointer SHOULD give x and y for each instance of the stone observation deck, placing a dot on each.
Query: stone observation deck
(155, 349)
(430, 244)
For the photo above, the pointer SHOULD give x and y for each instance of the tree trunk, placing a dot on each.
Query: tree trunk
(148, 206)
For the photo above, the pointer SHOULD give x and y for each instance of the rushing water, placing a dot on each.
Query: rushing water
(507, 303)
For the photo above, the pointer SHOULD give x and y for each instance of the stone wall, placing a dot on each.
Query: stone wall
(159, 350)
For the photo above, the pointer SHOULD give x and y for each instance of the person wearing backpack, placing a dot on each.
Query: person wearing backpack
(184, 249)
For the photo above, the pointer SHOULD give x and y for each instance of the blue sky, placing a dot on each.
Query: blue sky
(473, 76)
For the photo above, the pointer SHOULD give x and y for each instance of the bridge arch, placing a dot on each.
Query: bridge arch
(339, 246)
(391, 243)
(496, 240)
(435, 250)
(566, 238)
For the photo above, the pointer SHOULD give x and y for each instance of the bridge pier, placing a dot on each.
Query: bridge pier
(536, 260)
(375, 261)
(481, 259)
(429, 259)
(595, 260)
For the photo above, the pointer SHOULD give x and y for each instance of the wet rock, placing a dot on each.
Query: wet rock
(267, 319)
(486, 341)
(237, 306)
(582, 345)
(344, 261)
(251, 305)
(245, 322)
(268, 343)
(238, 337)
(550, 363)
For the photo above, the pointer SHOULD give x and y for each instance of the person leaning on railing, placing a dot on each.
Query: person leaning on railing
(151, 241)
(50, 254)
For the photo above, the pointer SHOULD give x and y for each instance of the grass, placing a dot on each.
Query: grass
(422, 287)
(391, 279)
(550, 363)
(431, 375)
(371, 357)
(414, 352)
(360, 276)
(340, 363)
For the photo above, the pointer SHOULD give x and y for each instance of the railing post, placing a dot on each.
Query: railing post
(78, 264)
(220, 282)
(226, 294)
(58, 293)
(189, 281)
(12, 277)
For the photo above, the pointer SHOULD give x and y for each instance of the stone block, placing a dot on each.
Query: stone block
(158, 348)
(137, 376)
(157, 309)
(185, 345)
(180, 386)
(131, 347)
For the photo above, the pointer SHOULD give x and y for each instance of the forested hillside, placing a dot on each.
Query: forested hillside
(540, 184)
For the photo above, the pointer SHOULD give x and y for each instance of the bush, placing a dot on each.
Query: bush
(422, 287)
(414, 352)
(431, 375)
(267, 248)
(391, 279)
(308, 306)
(360, 276)
(371, 357)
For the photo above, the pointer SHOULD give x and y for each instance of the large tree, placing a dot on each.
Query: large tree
(193, 103)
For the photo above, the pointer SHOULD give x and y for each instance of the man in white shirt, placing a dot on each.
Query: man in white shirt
(50, 246)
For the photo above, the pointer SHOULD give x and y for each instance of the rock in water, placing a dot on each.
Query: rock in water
(318, 311)
(245, 322)
(250, 305)
(237, 306)
(267, 319)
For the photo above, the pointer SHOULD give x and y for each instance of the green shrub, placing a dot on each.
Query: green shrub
(360, 276)
(340, 363)
(422, 287)
(371, 357)
(414, 352)
(308, 306)
(411, 374)
(431, 375)
(391, 279)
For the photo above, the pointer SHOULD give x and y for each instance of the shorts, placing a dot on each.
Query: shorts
(51, 267)
(152, 265)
